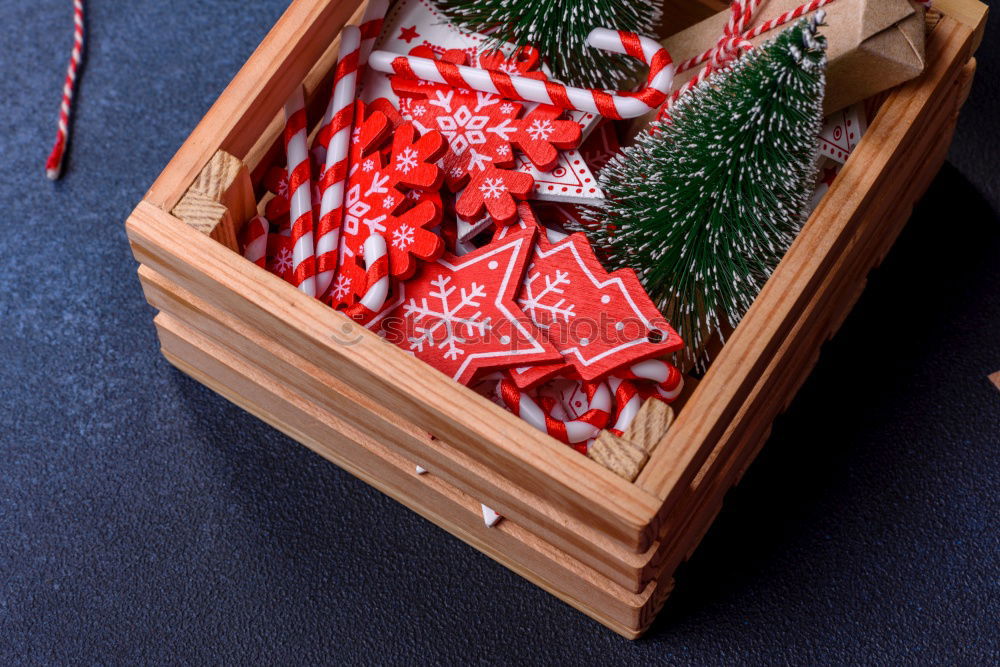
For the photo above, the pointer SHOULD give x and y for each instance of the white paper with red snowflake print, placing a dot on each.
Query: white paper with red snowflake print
(460, 316)
(599, 321)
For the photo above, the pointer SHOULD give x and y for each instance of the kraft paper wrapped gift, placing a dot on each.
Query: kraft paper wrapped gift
(873, 45)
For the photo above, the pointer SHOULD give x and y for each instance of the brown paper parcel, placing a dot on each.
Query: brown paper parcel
(872, 45)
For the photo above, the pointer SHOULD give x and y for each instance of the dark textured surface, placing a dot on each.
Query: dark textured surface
(142, 518)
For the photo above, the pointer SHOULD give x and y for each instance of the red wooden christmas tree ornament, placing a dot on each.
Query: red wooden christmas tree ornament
(460, 316)
(599, 321)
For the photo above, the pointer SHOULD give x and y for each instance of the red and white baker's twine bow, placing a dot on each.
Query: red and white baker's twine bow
(53, 166)
(333, 141)
(736, 39)
(611, 105)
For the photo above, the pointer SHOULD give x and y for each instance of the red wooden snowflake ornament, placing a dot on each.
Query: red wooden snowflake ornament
(483, 131)
(375, 202)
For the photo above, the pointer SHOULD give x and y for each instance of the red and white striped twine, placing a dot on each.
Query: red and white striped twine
(53, 166)
(736, 38)
(610, 105)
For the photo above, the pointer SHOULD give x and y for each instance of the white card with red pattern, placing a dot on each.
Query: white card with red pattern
(412, 23)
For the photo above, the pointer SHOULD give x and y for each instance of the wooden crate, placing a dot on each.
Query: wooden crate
(607, 546)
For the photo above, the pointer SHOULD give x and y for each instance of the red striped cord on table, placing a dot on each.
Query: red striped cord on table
(53, 166)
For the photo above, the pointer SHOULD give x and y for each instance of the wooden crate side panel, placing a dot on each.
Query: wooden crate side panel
(249, 103)
(799, 353)
(509, 544)
(343, 402)
(858, 193)
(482, 430)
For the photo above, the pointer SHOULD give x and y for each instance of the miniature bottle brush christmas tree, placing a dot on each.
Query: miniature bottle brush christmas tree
(705, 205)
(559, 29)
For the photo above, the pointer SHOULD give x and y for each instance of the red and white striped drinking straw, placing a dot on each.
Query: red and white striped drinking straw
(349, 61)
(376, 281)
(610, 105)
(333, 141)
(53, 166)
(300, 194)
(570, 431)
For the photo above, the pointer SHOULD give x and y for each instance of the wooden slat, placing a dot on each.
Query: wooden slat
(404, 384)
(799, 352)
(317, 86)
(342, 401)
(220, 200)
(971, 13)
(859, 187)
(207, 216)
(249, 103)
(511, 545)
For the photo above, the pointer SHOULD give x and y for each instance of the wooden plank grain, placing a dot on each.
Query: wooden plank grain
(717, 399)
(243, 383)
(342, 401)
(476, 426)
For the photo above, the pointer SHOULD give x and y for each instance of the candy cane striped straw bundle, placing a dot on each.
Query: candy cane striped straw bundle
(610, 105)
(300, 194)
(333, 141)
(53, 166)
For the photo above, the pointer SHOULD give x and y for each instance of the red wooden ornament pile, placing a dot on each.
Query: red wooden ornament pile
(522, 312)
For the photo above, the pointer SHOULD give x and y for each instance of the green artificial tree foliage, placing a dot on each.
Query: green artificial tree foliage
(559, 29)
(705, 205)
